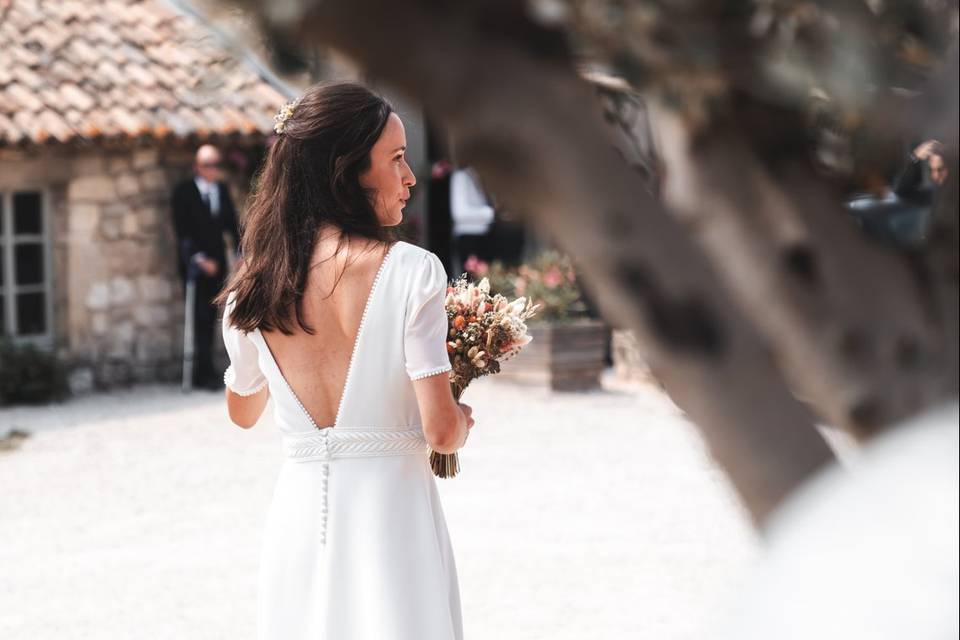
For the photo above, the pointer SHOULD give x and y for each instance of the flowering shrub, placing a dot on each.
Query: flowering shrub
(548, 280)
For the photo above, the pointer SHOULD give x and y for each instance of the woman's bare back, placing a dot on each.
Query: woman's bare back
(315, 366)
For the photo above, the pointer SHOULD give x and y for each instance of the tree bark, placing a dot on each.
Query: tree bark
(857, 336)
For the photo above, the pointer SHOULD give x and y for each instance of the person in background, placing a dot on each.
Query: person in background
(917, 192)
(439, 232)
(439, 222)
(508, 234)
(910, 183)
(472, 216)
(903, 216)
(202, 213)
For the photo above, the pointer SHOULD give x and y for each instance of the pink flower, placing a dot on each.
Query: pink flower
(553, 277)
(440, 169)
(519, 285)
(475, 265)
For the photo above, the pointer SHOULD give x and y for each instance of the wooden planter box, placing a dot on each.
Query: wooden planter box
(563, 357)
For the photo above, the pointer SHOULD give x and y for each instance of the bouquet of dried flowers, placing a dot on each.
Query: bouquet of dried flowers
(484, 330)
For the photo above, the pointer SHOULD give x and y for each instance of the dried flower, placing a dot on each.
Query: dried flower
(280, 120)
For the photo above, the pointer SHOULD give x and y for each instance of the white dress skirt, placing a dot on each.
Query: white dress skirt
(355, 543)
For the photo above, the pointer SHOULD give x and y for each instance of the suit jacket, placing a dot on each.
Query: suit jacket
(198, 230)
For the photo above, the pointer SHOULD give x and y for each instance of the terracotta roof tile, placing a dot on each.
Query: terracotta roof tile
(52, 125)
(73, 69)
(73, 10)
(61, 71)
(49, 36)
(163, 76)
(147, 99)
(99, 32)
(26, 123)
(129, 123)
(49, 96)
(74, 118)
(9, 130)
(21, 55)
(7, 105)
(108, 74)
(139, 74)
(74, 96)
(23, 98)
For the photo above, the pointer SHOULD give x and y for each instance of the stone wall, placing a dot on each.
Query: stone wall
(124, 312)
(117, 296)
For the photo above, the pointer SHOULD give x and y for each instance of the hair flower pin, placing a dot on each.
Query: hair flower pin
(280, 120)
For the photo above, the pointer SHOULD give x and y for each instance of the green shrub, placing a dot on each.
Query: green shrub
(29, 375)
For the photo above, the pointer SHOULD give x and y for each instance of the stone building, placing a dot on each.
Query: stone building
(102, 103)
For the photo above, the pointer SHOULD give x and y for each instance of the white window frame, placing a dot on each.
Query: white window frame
(8, 287)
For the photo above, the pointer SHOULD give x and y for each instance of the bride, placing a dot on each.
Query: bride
(344, 327)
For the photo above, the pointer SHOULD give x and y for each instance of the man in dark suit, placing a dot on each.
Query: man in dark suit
(439, 222)
(202, 212)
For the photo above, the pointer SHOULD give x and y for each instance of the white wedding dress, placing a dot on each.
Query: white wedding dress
(355, 543)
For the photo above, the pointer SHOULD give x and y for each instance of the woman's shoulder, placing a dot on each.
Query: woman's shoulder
(412, 255)
(419, 274)
(424, 273)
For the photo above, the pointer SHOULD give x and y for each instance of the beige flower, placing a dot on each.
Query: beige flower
(280, 120)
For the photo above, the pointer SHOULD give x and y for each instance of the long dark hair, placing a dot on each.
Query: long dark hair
(310, 177)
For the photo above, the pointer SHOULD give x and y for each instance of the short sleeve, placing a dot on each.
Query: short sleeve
(243, 376)
(425, 331)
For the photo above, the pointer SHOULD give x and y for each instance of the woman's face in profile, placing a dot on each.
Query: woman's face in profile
(389, 174)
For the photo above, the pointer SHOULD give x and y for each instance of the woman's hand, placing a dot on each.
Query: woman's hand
(443, 418)
(924, 149)
(467, 411)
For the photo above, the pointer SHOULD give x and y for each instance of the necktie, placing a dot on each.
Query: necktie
(213, 199)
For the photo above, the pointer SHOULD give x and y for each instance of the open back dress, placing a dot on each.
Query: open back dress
(355, 543)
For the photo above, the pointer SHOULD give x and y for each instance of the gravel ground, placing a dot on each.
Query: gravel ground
(576, 516)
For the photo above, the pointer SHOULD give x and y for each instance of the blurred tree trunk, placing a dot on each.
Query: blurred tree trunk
(749, 287)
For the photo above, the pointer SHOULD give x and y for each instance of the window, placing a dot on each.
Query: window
(25, 298)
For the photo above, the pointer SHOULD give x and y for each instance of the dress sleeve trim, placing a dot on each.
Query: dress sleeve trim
(432, 372)
(241, 392)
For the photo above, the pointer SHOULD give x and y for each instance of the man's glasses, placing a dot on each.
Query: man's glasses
(211, 165)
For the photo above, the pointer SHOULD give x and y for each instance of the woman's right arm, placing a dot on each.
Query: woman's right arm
(445, 422)
(245, 410)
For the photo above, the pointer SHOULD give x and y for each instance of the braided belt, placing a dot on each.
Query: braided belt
(329, 443)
